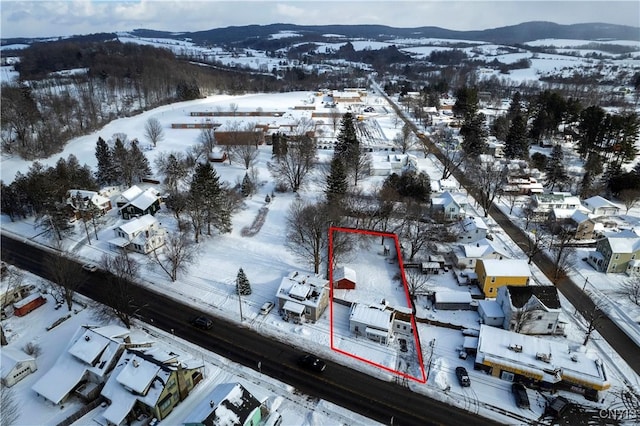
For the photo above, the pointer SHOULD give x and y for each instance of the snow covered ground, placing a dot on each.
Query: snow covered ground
(209, 283)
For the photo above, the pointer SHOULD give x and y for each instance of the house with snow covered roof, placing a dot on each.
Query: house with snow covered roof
(373, 322)
(79, 200)
(449, 205)
(15, 365)
(228, 404)
(550, 364)
(600, 206)
(148, 383)
(495, 273)
(614, 251)
(578, 219)
(142, 235)
(544, 203)
(85, 364)
(302, 297)
(134, 202)
(466, 255)
(344, 278)
(533, 309)
(472, 229)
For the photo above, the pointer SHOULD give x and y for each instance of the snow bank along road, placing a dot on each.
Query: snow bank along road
(358, 392)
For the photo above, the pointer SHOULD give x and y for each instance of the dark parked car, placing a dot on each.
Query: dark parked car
(313, 363)
(557, 407)
(463, 376)
(202, 322)
(520, 394)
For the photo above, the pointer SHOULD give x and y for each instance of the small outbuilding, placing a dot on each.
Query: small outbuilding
(16, 365)
(453, 300)
(28, 304)
(344, 278)
(490, 313)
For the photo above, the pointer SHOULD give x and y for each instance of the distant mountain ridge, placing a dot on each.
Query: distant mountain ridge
(258, 36)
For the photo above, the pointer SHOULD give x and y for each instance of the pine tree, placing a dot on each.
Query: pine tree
(243, 286)
(122, 163)
(207, 200)
(474, 135)
(516, 142)
(139, 163)
(247, 186)
(106, 173)
(556, 170)
(348, 145)
(336, 181)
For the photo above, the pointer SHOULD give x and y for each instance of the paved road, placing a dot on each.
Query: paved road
(608, 329)
(358, 392)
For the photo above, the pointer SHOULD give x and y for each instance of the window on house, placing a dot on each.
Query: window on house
(493, 279)
(539, 317)
(549, 326)
(617, 257)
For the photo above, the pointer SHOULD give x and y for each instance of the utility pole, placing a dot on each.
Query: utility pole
(240, 301)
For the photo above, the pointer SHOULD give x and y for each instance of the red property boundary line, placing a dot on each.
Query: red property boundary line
(333, 229)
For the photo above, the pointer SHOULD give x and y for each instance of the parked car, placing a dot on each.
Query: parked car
(90, 267)
(266, 308)
(463, 376)
(311, 362)
(558, 407)
(202, 322)
(520, 394)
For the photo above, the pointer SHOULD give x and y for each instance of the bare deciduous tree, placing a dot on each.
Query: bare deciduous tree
(630, 289)
(416, 234)
(247, 151)
(487, 179)
(207, 140)
(630, 198)
(120, 301)
(292, 167)
(593, 317)
(562, 252)
(176, 254)
(451, 156)
(9, 405)
(153, 131)
(66, 276)
(405, 139)
(417, 282)
(537, 242)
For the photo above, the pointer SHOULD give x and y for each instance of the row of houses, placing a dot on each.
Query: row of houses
(139, 380)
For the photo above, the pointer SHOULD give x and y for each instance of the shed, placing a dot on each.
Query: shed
(28, 304)
(453, 300)
(490, 313)
(344, 278)
(432, 268)
(16, 365)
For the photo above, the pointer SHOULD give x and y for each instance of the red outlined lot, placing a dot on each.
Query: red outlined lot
(417, 365)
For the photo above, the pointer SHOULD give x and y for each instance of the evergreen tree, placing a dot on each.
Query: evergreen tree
(243, 286)
(466, 102)
(515, 107)
(105, 174)
(207, 200)
(336, 181)
(139, 164)
(516, 143)
(122, 162)
(247, 186)
(556, 170)
(474, 135)
(348, 146)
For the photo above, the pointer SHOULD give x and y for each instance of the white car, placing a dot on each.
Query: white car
(90, 267)
(266, 308)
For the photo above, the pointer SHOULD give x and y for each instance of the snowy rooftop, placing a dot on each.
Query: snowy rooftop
(472, 223)
(301, 288)
(230, 402)
(131, 193)
(10, 357)
(625, 241)
(481, 248)
(372, 316)
(497, 346)
(139, 224)
(449, 296)
(138, 374)
(506, 267)
(491, 308)
(145, 199)
(344, 272)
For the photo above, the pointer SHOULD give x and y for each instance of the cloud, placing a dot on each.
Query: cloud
(32, 18)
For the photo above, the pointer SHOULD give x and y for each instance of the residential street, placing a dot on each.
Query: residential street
(382, 401)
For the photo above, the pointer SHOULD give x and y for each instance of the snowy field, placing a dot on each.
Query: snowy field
(210, 282)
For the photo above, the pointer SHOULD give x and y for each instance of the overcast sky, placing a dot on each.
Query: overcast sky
(59, 18)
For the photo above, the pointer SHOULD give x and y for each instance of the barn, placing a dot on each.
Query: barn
(344, 278)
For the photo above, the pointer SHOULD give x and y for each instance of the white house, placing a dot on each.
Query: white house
(302, 297)
(90, 356)
(472, 229)
(490, 313)
(466, 255)
(450, 205)
(373, 322)
(79, 199)
(531, 309)
(544, 203)
(15, 366)
(142, 235)
(600, 206)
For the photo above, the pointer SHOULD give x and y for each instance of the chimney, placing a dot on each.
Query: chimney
(211, 404)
